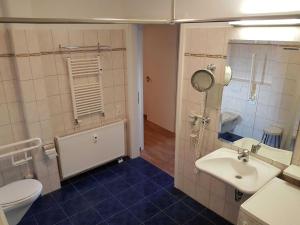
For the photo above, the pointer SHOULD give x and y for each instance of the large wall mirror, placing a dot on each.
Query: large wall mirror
(261, 105)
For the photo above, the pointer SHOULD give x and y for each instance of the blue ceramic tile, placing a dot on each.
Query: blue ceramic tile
(138, 162)
(180, 212)
(41, 204)
(199, 220)
(162, 199)
(121, 168)
(144, 210)
(50, 217)
(64, 222)
(123, 218)
(29, 220)
(87, 217)
(194, 204)
(85, 184)
(96, 195)
(149, 170)
(160, 219)
(147, 187)
(133, 177)
(76, 178)
(109, 207)
(75, 205)
(105, 176)
(175, 192)
(116, 186)
(129, 197)
(163, 179)
(212, 216)
(65, 193)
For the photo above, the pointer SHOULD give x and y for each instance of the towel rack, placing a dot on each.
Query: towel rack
(87, 96)
(78, 47)
(34, 143)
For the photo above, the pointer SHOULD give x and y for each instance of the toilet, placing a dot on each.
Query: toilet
(17, 197)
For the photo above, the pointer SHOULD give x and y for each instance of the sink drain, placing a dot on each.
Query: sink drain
(238, 177)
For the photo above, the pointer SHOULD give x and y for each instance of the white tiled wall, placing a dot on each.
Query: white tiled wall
(35, 98)
(277, 96)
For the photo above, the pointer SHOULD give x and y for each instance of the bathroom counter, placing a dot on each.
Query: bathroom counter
(293, 171)
(277, 203)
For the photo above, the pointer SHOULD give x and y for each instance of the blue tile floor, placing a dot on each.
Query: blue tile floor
(131, 193)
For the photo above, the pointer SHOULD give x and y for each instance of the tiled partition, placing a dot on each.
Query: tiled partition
(35, 98)
(201, 45)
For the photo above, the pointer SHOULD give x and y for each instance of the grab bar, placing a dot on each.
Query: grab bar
(37, 143)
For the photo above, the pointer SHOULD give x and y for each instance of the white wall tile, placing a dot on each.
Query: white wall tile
(15, 112)
(90, 37)
(27, 90)
(32, 41)
(36, 66)
(24, 70)
(104, 37)
(4, 115)
(11, 91)
(19, 41)
(52, 85)
(7, 68)
(45, 40)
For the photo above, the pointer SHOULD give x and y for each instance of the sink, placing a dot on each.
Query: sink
(247, 177)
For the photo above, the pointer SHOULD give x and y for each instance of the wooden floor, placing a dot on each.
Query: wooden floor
(159, 147)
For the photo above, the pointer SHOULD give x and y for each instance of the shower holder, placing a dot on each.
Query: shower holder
(194, 117)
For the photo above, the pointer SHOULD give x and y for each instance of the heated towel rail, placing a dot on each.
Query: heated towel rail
(86, 86)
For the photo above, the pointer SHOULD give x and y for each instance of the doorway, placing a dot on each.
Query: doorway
(160, 51)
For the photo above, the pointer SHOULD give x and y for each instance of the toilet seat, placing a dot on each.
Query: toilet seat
(19, 191)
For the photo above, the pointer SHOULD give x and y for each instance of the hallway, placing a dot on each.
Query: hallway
(159, 147)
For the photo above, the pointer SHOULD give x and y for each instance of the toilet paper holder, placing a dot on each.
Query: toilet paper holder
(50, 151)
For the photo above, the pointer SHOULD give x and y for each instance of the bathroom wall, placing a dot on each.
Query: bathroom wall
(276, 71)
(12, 123)
(201, 44)
(160, 49)
(37, 93)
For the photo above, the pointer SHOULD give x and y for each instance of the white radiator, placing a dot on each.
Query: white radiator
(88, 149)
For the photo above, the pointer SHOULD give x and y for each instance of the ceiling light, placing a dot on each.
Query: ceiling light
(279, 22)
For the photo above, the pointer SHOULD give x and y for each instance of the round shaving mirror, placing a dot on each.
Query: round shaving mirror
(202, 80)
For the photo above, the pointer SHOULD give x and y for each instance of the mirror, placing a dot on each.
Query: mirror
(202, 80)
(261, 104)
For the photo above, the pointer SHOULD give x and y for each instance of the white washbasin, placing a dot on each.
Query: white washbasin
(247, 177)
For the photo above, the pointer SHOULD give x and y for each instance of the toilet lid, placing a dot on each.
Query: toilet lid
(19, 190)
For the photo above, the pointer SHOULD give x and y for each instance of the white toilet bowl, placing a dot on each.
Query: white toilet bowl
(17, 197)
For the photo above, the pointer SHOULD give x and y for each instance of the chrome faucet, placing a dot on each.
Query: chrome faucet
(243, 155)
(255, 148)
